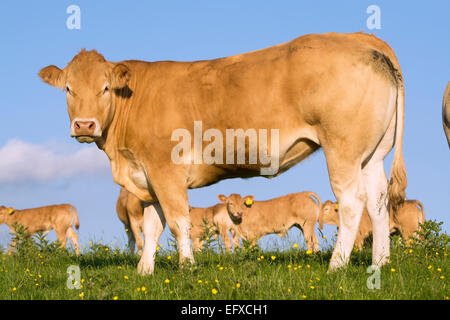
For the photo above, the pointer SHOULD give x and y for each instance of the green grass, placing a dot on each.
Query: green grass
(37, 270)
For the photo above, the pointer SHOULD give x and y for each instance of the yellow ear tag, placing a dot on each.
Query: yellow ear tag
(337, 206)
(249, 202)
(11, 210)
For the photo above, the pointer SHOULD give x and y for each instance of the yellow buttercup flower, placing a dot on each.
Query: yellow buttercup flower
(273, 257)
(81, 295)
(167, 281)
(214, 291)
(308, 252)
(295, 245)
(116, 298)
(238, 285)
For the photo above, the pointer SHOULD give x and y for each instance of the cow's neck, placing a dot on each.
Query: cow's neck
(114, 135)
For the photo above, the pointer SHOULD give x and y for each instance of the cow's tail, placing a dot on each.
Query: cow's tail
(313, 195)
(398, 181)
(74, 211)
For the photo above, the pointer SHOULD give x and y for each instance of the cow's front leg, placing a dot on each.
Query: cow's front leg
(171, 192)
(154, 223)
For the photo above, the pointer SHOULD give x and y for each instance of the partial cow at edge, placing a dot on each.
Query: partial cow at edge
(406, 220)
(446, 112)
(61, 218)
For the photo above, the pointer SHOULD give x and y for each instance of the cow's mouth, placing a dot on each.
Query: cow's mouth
(236, 218)
(85, 139)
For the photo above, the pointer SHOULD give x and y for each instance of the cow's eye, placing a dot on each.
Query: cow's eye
(68, 90)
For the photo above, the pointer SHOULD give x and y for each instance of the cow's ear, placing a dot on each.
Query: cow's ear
(53, 75)
(120, 75)
(222, 198)
(249, 200)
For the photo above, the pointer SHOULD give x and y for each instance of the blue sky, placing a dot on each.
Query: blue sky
(41, 163)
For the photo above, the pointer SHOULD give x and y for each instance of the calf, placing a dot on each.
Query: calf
(55, 217)
(406, 220)
(254, 219)
(130, 211)
(217, 220)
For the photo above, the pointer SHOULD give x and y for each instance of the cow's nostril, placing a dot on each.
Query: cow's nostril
(77, 125)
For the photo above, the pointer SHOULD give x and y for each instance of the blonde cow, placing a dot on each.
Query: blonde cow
(217, 220)
(60, 218)
(406, 220)
(343, 93)
(254, 219)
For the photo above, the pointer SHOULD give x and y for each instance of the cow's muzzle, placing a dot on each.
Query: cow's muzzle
(85, 130)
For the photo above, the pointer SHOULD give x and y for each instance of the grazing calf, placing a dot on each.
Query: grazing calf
(218, 222)
(130, 211)
(406, 220)
(254, 219)
(55, 217)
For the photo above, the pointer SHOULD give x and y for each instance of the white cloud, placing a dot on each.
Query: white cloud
(25, 162)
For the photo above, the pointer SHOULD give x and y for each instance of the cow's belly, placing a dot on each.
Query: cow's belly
(294, 147)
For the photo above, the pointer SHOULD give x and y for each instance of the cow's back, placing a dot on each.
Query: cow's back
(279, 214)
(44, 218)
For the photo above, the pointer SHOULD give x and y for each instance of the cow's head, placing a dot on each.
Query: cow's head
(90, 83)
(236, 205)
(329, 214)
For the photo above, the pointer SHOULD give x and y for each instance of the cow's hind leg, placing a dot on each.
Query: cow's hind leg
(61, 236)
(131, 238)
(347, 183)
(310, 237)
(136, 236)
(74, 238)
(377, 199)
(154, 223)
(376, 185)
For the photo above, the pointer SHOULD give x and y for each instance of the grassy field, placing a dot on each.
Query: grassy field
(38, 270)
